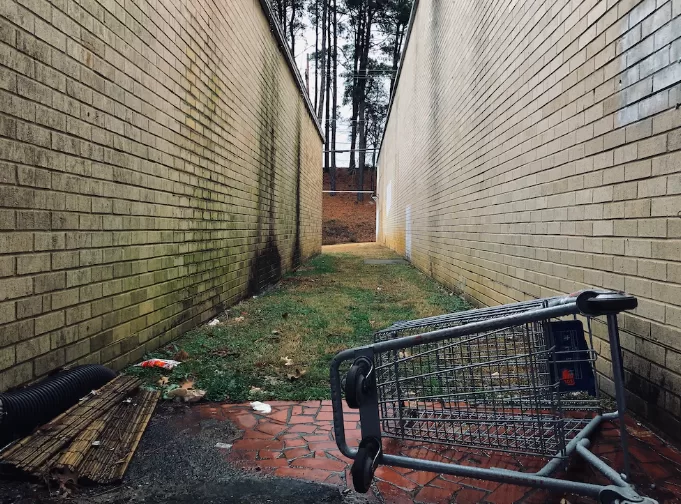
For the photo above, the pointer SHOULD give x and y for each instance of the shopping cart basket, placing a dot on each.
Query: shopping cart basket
(517, 378)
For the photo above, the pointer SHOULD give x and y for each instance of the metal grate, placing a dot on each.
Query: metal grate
(496, 390)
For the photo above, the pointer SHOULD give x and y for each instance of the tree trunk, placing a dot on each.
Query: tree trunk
(316, 52)
(334, 107)
(362, 151)
(320, 107)
(282, 14)
(292, 29)
(327, 93)
(399, 34)
(359, 38)
(363, 74)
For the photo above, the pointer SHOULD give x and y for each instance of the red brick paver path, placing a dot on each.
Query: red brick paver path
(296, 440)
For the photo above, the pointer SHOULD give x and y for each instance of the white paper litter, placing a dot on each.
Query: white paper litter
(495, 375)
(261, 407)
(224, 446)
(213, 322)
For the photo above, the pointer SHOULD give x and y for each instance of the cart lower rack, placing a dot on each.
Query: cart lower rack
(517, 378)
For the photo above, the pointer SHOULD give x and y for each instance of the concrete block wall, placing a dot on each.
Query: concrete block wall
(158, 162)
(534, 148)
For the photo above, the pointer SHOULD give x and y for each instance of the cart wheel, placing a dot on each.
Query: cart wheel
(355, 383)
(362, 470)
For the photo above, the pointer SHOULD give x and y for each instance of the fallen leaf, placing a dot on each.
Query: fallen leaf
(194, 395)
(187, 395)
(239, 319)
(181, 356)
(255, 390)
(188, 384)
(163, 381)
(177, 392)
(287, 361)
(297, 375)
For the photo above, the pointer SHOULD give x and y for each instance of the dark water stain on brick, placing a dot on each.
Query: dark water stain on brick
(266, 264)
(296, 255)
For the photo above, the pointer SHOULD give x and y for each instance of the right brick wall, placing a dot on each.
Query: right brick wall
(534, 148)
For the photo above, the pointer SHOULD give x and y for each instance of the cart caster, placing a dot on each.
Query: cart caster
(620, 495)
(365, 464)
(357, 381)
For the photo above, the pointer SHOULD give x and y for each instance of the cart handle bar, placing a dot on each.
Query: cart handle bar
(591, 303)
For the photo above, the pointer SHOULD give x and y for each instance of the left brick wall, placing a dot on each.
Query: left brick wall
(158, 162)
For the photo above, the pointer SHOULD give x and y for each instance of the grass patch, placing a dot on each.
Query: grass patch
(333, 302)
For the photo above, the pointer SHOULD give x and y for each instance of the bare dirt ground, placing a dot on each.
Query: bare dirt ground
(346, 220)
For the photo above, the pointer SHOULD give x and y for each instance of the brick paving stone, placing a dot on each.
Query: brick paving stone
(319, 463)
(322, 445)
(259, 444)
(279, 416)
(253, 434)
(268, 454)
(271, 428)
(302, 419)
(430, 494)
(421, 477)
(302, 428)
(654, 460)
(272, 463)
(387, 474)
(324, 415)
(302, 473)
(506, 494)
(392, 494)
(295, 453)
(446, 484)
(644, 453)
(335, 479)
(311, 404)
(294, 443)
(241, 455)
(246, 421)
(470, 496)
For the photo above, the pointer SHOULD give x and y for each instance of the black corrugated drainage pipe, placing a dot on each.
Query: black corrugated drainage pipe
(24, 410)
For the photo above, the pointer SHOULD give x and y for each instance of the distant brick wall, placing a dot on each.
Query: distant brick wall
(157, 163)
(534, 148)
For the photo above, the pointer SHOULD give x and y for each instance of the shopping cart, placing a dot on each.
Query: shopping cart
(518, 379)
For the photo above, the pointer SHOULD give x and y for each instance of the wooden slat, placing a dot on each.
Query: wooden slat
(34, 451)
(108, 462)
(116, 417)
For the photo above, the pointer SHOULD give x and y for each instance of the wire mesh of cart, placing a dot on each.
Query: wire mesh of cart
(518, 378)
